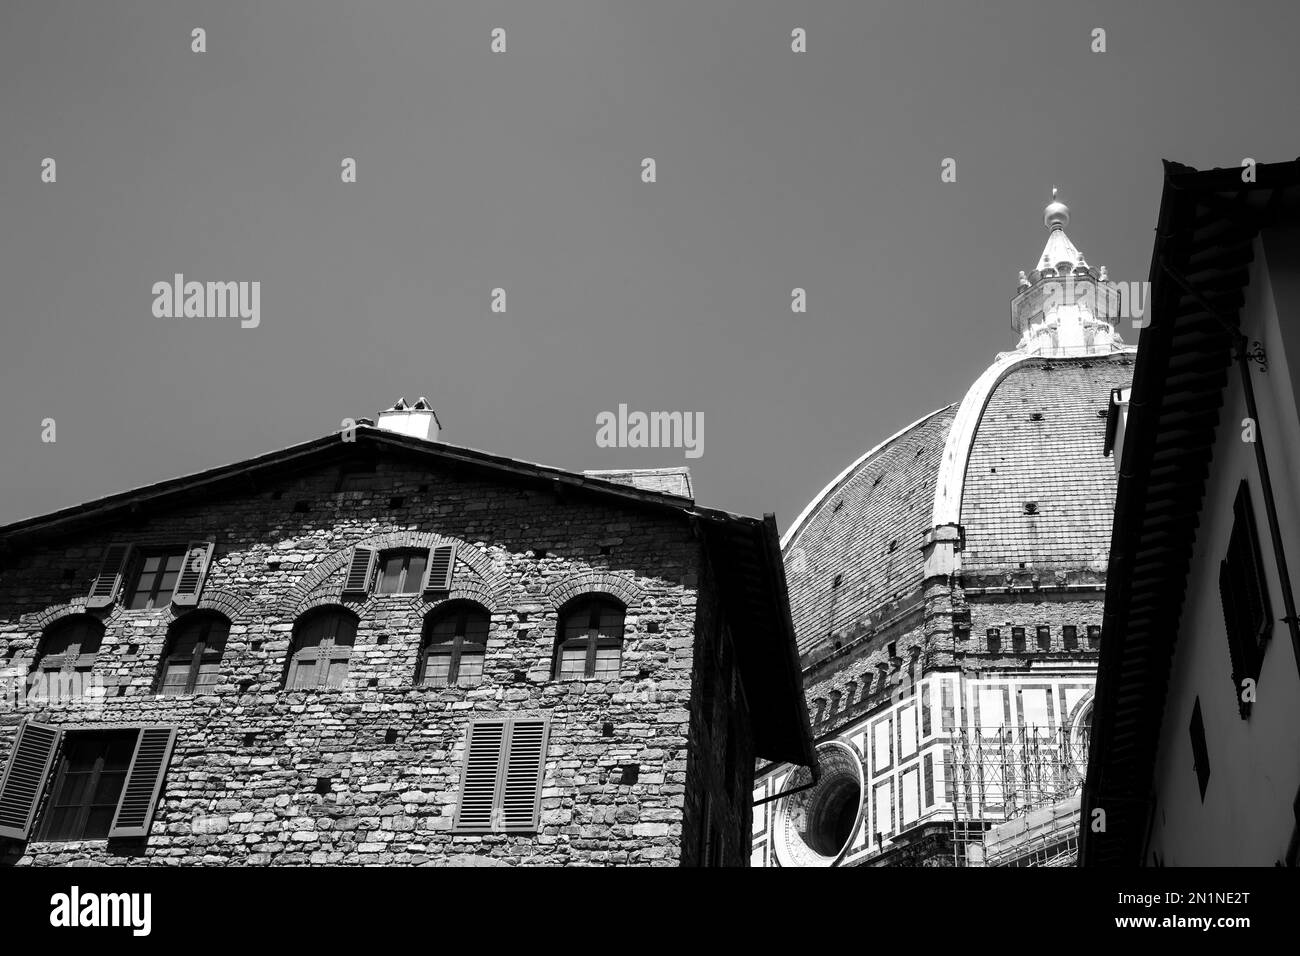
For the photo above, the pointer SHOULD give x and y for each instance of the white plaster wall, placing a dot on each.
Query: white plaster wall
(1247, 816)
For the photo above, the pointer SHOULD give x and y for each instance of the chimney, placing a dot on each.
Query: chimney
(418, 420)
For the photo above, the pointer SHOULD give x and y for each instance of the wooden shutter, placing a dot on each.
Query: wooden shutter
(194, 570)
(144, 779)
(360, 571)
(112, 568)
(525, 759)
(501, 782)
(24, 777)
(437, 575)
(480, 775)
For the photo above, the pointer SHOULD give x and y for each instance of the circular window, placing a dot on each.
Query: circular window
(815, 826)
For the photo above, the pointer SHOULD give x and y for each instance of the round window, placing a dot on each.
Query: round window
(816, 825)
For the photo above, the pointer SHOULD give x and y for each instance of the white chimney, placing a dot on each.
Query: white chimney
(418, 420)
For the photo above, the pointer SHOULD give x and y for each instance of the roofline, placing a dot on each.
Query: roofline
(101, 508)
(839, 479)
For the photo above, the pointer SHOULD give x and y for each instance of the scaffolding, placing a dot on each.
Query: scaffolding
(1015, 795)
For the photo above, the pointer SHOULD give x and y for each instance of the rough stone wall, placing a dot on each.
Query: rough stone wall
(370, 773)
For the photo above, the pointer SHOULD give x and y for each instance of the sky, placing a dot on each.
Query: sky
(523, 170)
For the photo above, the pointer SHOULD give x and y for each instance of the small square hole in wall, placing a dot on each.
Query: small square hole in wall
(255, 646)
(322, 785)
(643, 673)
(892, 650)
(1036, 417)
(605, 549)
(390, 735)
(301, 507)
(133, 648)
(839, 579)
(250, 739)
(522, 615)
(607, 729)
(381, 639)
(373, 682)
(893, 545)
(540, 553)
(1031, 507)
(652, 627)
(631, 773)
(121, 690)
(519, 677)
(397, 501)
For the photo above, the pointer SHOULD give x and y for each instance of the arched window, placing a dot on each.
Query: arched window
(66, 657)
(322, 647)
(590, 643)
(192, 663)
(455, 643)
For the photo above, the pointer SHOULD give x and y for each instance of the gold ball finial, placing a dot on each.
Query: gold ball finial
(1057, 213)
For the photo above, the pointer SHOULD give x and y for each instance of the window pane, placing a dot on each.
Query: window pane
(573, 662)
(165, 587)
(437, 665)
(607, 662)
(150, 566)
(415, 571)
(208, 675)
(471, 668)
(175, 678)
(174, 562)
(390, 574)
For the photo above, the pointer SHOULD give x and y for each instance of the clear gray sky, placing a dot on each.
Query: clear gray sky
(523, 170)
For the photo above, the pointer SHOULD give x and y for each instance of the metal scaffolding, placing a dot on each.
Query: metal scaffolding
(1015, 795)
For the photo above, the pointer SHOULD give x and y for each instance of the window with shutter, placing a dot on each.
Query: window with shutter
(323, 641)
(401, 572)
(1243, 593)
(442, 562)
(194, 569)
(156, 577)
(112, 569)
(590, 644)
(501, 780)
(144, 780)
(360, 571)
(24, 777)
(455, 645)
(65, 660)
(192, 662)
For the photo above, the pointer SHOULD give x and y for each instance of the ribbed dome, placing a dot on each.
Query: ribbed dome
(1018, 464)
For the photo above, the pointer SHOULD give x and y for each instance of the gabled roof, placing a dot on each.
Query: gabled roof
(1204, 236)
(745, 552)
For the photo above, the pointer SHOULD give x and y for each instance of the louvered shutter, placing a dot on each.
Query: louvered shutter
(525, 761)
(442, 560)
(194, 570)
(24, 778)
(480, 776)
(153, 750)
(360, 571)
(112, 568)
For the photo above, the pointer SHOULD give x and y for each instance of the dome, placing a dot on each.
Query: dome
(1014, 475)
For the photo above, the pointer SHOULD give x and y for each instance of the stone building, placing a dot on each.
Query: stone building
(1197, 721)
(376, 647)
(947, 591)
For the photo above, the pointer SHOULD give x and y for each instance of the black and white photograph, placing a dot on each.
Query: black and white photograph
(358, 517)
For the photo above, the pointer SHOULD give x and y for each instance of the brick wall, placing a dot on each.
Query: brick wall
(370, 773)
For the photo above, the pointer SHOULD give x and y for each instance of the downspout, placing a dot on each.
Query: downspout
(1240, 343)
